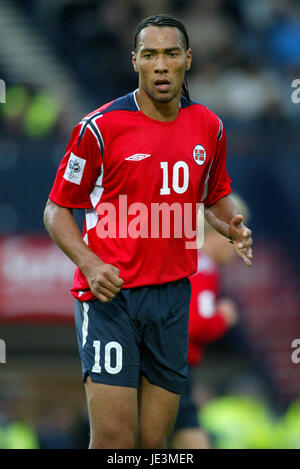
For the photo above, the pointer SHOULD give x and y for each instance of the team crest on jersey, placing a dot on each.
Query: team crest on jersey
(199, 154)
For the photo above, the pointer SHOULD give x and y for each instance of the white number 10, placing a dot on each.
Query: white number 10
(165, 190)
(107, 357)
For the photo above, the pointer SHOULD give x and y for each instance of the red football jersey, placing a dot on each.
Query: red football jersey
(126, 169)
(206, 324)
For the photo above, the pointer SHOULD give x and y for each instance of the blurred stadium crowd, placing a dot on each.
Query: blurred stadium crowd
(246, 54)
(60, 59)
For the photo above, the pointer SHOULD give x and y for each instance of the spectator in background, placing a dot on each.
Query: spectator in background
(288, 435)
(240, 419)
(30, 113)
(16, 432)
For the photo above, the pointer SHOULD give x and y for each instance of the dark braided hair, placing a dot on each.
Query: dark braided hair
(171, 21)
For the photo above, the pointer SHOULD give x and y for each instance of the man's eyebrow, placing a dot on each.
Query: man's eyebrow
(168, 49)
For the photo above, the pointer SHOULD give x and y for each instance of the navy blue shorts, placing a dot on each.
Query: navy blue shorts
(187, 413)
(142, 331)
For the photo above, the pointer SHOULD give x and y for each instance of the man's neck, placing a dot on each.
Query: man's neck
(164, 112)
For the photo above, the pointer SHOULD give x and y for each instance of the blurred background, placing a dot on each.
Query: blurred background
(61, 59)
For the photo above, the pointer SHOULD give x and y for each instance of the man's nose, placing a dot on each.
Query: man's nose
(161, 65)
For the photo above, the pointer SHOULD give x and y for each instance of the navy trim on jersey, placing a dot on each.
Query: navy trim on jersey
(128, 103)
(125, 103)
(220, 133)
(88, 122)
(185, 103)
(98, 135)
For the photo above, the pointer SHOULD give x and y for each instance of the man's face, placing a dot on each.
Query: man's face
(161, 62)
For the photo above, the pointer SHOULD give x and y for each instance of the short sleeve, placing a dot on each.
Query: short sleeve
(218, 182)
(78, 170)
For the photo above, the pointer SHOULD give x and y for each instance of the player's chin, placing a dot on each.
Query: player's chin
(163, 96)
(163, 99)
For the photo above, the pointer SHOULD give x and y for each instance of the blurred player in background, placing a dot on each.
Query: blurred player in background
(132, 293)
(210, 318)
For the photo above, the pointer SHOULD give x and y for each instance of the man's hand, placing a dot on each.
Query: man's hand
(241, 237)
(104, 281)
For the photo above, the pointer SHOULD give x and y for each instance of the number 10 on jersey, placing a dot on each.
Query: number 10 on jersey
(178, 167)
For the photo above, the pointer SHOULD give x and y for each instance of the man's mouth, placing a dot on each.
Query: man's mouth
(162, 84)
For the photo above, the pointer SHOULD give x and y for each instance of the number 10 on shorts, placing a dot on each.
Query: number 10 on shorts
(109, 347)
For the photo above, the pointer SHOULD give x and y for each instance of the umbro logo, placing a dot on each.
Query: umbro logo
(137, 157)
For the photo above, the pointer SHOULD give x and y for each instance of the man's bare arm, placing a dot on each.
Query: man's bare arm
(223, 216)
(103, 278)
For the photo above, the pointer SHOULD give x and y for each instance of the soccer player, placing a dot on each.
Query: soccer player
(151, 148)
(210, 318)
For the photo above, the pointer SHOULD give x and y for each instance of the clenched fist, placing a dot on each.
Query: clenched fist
(104, 281)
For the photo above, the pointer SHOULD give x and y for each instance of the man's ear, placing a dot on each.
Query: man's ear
(134, 61)
(188, 59)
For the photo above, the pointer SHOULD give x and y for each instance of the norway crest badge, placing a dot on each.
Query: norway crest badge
(199, 154)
